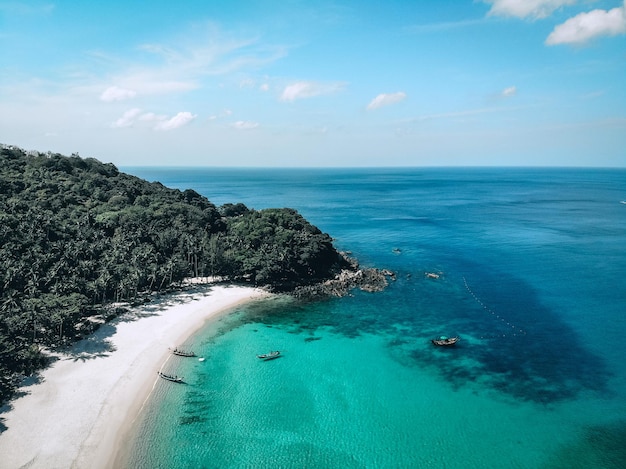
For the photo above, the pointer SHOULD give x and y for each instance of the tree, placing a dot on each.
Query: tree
(76, 233)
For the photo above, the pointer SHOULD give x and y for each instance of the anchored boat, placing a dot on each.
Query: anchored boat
(270, 355)
(174, 379)
(443, 341)
(183, 353)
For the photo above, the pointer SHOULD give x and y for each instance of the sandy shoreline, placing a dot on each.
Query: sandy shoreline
(87, 400)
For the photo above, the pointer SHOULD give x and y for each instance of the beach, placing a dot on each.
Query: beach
(80, 410)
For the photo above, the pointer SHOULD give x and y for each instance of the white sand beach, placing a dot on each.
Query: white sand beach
(77, 416)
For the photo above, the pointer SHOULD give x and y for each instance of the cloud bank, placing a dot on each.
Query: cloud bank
(127, 119)
(385, 99)
(580, 29)
(179, 120)
(587, 26)
(534, 9)
(130, 117)
(115, 93)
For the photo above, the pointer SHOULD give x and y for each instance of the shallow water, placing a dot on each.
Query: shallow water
(532, 266)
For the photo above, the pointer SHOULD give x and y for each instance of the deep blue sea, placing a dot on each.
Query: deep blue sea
(532, 278)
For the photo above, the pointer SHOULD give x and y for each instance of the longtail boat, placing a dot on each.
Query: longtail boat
(269, 356)
(174, 379)
(183, 353)
(443, 341)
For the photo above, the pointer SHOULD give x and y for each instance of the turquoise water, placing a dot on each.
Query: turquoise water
(532, 263)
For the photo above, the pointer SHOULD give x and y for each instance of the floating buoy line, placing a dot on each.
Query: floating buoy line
(515, 331)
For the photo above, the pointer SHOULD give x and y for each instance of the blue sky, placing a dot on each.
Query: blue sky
(325, 83)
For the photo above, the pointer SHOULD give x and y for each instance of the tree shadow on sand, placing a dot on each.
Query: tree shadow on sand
(22, 391)
(97, 345)
(162, 302)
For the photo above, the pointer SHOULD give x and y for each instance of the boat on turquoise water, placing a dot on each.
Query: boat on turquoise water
(172, 378)
(183, 353)
(443, 341)
(270, 355)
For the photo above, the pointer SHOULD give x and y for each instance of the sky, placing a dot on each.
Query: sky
(328, 83)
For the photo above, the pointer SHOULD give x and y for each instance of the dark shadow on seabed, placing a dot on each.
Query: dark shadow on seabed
(602, 446)
(513, 342)
(541, 359)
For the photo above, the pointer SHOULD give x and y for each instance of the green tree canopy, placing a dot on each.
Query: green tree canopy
(77, 233)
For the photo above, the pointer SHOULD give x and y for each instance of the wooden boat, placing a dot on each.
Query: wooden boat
(269, 356)
(443, 341)
(174, 379)
(183, 353)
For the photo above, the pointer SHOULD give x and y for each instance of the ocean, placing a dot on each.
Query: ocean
(531, 266)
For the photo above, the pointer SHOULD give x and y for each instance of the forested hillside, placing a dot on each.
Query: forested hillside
(76, 234)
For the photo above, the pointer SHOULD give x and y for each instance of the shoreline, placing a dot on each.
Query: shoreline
(88, 400)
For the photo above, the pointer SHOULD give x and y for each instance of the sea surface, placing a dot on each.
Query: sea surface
(532, 278)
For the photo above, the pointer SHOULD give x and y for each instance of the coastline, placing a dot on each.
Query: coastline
(88, 399)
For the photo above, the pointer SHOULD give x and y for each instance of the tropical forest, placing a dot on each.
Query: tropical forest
(78, 235)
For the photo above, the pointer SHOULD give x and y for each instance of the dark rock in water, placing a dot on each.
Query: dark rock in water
(368, 279)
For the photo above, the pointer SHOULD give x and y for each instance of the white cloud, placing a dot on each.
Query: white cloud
(179, 120)
(205, 52)
(385, 99)
(295, 91)
(308, 89)
(151, 117)
(264, 87)
(510, 91)
(587, 26)
(130, 117)
(127, 119)
(244, 125)
(114, 93)
(526, 8)
(184, 65)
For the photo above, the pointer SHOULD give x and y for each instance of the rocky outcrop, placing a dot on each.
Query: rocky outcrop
(366, 279)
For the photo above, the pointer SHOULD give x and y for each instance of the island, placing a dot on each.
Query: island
(80, 241)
